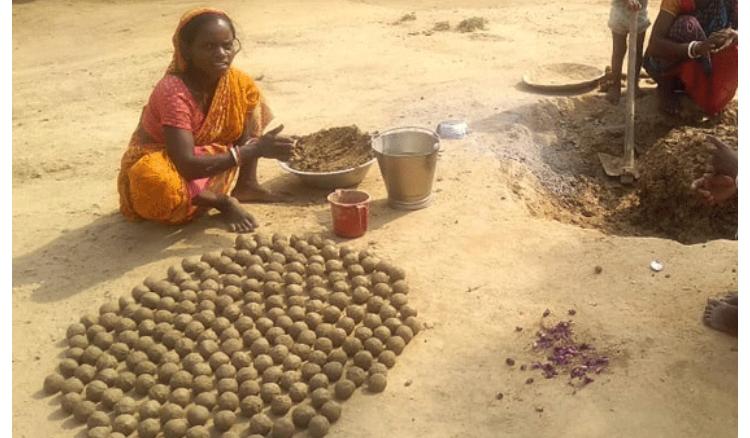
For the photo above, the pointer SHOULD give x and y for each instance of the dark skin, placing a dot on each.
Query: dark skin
(209, 57)
(660, 46)
(619, 49)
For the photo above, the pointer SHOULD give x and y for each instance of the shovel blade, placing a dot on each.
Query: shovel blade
(618, 167)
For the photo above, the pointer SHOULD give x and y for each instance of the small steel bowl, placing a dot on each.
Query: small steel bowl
(331, 180)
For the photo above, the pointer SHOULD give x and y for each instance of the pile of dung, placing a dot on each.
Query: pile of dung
(332, 149)
(472, 24)
(267, 338)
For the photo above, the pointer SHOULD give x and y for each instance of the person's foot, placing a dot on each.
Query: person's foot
(639, 92)
(614, 93)
(247, 193)
(669, 102)
(238, 220)
(730, 299)
(720, 315)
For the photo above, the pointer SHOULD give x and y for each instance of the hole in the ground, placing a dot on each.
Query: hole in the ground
(557, 141)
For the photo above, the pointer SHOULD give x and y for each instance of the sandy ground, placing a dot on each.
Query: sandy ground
(479, 264)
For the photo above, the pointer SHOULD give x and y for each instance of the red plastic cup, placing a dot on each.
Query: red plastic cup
(350, 210)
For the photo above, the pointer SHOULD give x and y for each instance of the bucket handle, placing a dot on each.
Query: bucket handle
(362, 216)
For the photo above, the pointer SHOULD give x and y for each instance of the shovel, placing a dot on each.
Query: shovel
(624, 166)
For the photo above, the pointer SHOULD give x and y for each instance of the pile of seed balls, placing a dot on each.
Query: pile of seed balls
(264, 339)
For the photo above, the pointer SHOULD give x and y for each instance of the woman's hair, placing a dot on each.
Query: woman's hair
(190, 30)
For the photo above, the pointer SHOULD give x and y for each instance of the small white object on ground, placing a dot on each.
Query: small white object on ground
(454, 129)
(656, 266)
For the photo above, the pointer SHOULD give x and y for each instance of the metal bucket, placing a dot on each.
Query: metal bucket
(407, 158)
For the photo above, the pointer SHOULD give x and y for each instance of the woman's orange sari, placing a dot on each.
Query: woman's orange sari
(150, 186)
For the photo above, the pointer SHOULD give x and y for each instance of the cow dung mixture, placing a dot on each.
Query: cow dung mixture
(267, 338)
(332, 149)
(558, 144)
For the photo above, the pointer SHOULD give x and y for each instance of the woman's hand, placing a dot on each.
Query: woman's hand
(723, 39)
(270, 145)
(724, 160)
(704, 48)
(633, 5)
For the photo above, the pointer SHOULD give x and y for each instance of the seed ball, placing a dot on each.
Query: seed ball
(310, 369)
(339, 356)
(208, 335)
(382, 332)
(292, 362)
(53, 383)
(207, 348)
(282, 428)
(268, 391)
(307, 337)
(262, 362)
(83, 410)
(339, 286)
(181, 379)
(374, 346)
(126, 381)
(146, 327)
(111, 396)
(206, 399)
(395, 344)
(94, 390)
(170, 411)
(363, 333)
(225, 371)
(183, 347)
(124, 424)
(218, 359)
(99, 432)
(301, 415)
(312, 320)
(69, 401)
(202, 384)
(315, 281)
(159, 392)
(126, 405)
(336, 277)
(323, 344)
(337, 337)
(363, 359)
(351, 346)
(319, 397)
(297, 392)
(180, 396)
(377, 383)
(149, 428)
(408, 311)
(339, 300)
(281, 404)
(251, 405)
(198, 432)
(72, 384)
(296, 313)
(301, 350)
(260, 424)
(248, 388)
(231, 346)
(149, 409)
(356, 313)
(318, 426)
(91, 354)
(191, 360)
(108, 376)
(297, 328)
(227, 385)
(241, 359)
(273, 333)
(260, 346)
(318, 381)
(175, 428)
(74, 353)
(297, 300)
(246, 373)
(68, 367)
(356, 374)
(97, 419)
(272, 374)
(314, 305)
(228, 401)
(78, 341)
(86, 373)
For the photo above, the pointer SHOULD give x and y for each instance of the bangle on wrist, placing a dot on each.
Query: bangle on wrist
(690, 53)
(235, 155)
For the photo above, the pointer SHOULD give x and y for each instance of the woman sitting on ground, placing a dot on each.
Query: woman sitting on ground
(200, 130)
(693, 48)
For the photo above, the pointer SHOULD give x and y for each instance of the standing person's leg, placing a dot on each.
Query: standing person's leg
(639, 63)
(619, 47)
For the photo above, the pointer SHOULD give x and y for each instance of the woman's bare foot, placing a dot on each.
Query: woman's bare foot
(237, 218)
(730, 299)
(720, 315)
(669, 101)
(247, 193)
(614, 93)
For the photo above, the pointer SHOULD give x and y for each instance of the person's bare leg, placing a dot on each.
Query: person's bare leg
(249, 190)
(721, 315)
(619, 47)
(639, 65)
(237, 218)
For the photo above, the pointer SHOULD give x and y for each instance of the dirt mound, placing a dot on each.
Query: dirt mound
(557, 142)
(332, 149)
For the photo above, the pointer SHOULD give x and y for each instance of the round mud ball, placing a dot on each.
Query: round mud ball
(382, 332)
(272, 374)
(356, 374)
(350, 259)
(76, 329)
(387, 358)
(315, 281)
(319, 380)
(97, 419)
(206, 399)
(292, 362)
(225, 371)
(351, 346)
(248, 387)
(159, 392)
(355, 312)
(407, 311)
(202, 384)
(288, 378)
(387, 311)
(232, 312)
(146, 327)
(318, 426)
(207, 348)
(68, 367)
(413, 323)
(338, 355)
(108, 376)
(78, 341)
(400, 287)
(333, 370)
(306, 337)
(331, 410)
(379, 277)
(376, 383)
(198, 432)
(197, 415)
(94, 390)
(405, 333)
(301, 350)
(111, 396)
(181, 379)
(99, 432)
(251, 405)
(382, 290)
(302, 414)
(74, 353)
(310, 369)
(149, 409)
(69, 401)
(313, 319)
(126, 381)
(329, 252)
(346, 323)
(193, 329)
(374, 304)
(334, 265)
(335, 277)
(246, 373)
(319, 397)
(227, 385)
(144, 343)
(149, 428)
(119, 350)
(241, 359)
(399, 300)
(318, 357)
(260, 424)
(315, 306)
(355, 270)
(83, 410)
(363, 359)
(281, 404)
(72, 384)
(323, 344)
(125, 424)
(228, 401)
(273, 333)
(218, 359)
(207, 335)
(183, 347)
(175, 428)
(53, 383)
(340, 286)
(363, 333)
(180, 396)
(191, 360)
(278, 353)
(337, 337)
(331, 314)
(260, 346)
(244, 323)
(231, 346)
(282, 428)
(395, 344)
(374, 346)
(297, 392)
(262, 362)
(268, 391)
(171, 411)
(91, 354)
(126, 405)
(296, 313)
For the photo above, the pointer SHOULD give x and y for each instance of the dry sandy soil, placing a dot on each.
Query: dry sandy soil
(480, 261)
